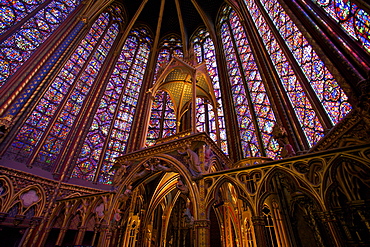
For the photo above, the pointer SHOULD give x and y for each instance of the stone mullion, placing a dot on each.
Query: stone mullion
(113, 61)
(34, 74)
(234, 147)
(318, 42)
(202, 234)
(248, 96)
(96, 231)
(105, 235)
(310, 216)
(31, 231)
(284, 206)
(296, 68)
(33, 155)
(359, 208)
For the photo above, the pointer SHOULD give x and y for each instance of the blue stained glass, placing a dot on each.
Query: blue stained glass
(49, 102)
(260, 107)
(122, 83)
(31, 34)
(170, 47)
(322, 81)
(297, 96)
(353, 20)
(204, 51)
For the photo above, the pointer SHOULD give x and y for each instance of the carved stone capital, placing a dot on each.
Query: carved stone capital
(258, 220)
(202, 223)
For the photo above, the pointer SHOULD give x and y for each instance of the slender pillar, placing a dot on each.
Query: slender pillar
(105, 236)
(61, 235)
(31, 231)
(194, 102)
(80, 235)
(329, 222)
(259, 230)
(202, 232)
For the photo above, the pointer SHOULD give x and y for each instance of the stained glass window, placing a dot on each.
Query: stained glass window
(326, 88)
(20, 45)
(252, 105)
(353, 20)
(299, 100)
(162, 121)
(12, 12)
(110, 129)
(204, 51)
(44, 133)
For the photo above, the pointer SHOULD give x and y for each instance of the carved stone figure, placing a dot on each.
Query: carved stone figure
(117, 215)
(208, 155)
(189, 218)
(121, 170)
(281, 136)
(5, 123)
(148, 168)
(182, 187)
(126, 194)
(157, 165)
(192, 160)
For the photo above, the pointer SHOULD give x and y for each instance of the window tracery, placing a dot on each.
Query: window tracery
(204, 51)
(252, 105)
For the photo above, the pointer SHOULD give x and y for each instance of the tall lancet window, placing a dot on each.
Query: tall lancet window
(42, 138)
(33, 21)
(252, 104)
(354, 20)
(162, 121)
(326, 88)
(205, 52)
(110, 129)
(318, 89)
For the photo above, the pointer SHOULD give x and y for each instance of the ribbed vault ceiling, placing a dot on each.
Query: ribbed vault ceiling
(183, 23)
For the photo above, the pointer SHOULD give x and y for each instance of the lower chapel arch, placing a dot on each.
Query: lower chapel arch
(160, 202)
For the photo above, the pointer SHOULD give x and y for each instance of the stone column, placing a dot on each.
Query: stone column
(96, 231)
(201, 230)
(329, 221)
(33, 225)
(80, 235)
(61, 235)
(105, 235)
(259, 230)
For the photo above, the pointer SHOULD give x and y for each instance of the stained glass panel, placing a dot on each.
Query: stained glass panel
(162, 121)
(247, 129)
(302, 106)
(204, 51)
(127, 108)
(353, 20)
(12, 12)
(250, 96)
(75, 102)
(88, 161)
(327, 90)
(19, 46)
(65, 82)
